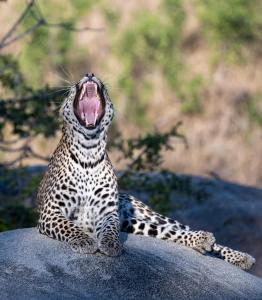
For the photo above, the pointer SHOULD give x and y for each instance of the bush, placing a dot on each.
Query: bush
(231, 24)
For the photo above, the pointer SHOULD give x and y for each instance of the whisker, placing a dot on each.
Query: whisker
(57, 92)
(110, 78)
(109, 83)
(69, 83)
(63, 89)
(68, 75)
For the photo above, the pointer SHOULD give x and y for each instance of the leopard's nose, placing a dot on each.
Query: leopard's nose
(89, 76)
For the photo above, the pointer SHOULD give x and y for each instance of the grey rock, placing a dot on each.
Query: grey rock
(36, 267)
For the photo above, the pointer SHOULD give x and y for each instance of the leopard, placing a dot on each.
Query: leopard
(78, 198)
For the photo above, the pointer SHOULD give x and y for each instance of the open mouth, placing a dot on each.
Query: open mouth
(89, 104)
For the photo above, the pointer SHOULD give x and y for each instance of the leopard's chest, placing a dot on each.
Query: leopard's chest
(88, 192)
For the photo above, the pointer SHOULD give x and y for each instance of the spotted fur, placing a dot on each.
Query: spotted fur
(79, 202)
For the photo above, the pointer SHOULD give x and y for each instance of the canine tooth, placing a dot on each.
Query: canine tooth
(96, 115)
(82, 116)
(84, 91)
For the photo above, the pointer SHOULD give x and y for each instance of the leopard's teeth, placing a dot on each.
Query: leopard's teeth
(83, 91)
(96, 115)
(83, 116)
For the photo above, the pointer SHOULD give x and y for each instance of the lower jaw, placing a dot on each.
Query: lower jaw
(90, 126)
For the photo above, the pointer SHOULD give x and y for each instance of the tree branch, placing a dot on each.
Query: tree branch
(25, 152)
(69, 27)
(22, 35)
(40, 21)
(19, 20)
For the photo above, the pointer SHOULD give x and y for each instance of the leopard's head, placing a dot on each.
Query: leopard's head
(88, 109)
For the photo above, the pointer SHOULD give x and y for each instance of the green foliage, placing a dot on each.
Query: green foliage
(111, 16)
(49, 46)
(11, 78)
(30, 111)
(81, 6)
(190, 95)
(151, 43)
(144, 153)
(231, 24)
(253, 111)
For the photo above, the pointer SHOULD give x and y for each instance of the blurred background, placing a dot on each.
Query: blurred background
(185, 79)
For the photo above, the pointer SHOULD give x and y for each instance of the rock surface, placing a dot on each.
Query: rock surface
(36, 267)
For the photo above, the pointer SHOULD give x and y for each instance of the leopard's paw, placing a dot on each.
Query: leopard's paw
(110, 247)
(84, 245)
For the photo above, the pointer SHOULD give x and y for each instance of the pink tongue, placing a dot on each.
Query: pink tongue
(89, 104)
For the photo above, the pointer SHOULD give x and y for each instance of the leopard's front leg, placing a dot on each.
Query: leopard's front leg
(55, 225)
(108, 232)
